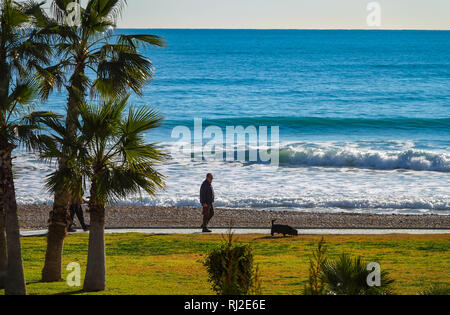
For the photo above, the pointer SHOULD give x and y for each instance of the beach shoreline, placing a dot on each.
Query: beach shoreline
(34, 217)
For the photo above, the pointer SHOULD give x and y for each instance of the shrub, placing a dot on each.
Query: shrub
(348, 276)
(316, 285)
(231, 271)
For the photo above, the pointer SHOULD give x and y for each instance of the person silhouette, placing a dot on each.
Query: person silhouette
(77, 209)
(207, 201)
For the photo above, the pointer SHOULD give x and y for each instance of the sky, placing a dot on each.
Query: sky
(287, 14)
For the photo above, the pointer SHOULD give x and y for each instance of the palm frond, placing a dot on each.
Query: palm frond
(13, 17)
(121, 161)
(28, 132)
(48, 79)
(29, 50)
(106, 9)
(36, 12)
(52, 122)
(142, 40)
(116, 183)
(23, 93)
(101, 121)
(65, 178)
(123, 72)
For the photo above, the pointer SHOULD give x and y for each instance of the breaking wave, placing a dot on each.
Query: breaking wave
(380, 160)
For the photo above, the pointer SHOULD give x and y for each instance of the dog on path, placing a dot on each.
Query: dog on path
(283, 229)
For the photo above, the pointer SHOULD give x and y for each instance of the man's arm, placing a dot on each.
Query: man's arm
(203, 195)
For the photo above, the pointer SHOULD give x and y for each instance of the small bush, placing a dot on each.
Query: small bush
(231, 271)
(316, 285)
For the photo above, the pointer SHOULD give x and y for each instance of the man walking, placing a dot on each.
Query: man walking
(207, 201)
(77, 209)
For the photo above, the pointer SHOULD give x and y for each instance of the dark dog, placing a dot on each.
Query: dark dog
(283, 229)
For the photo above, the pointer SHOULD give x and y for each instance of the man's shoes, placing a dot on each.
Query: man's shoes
(71, 230)
(86, 228)
(206, 231)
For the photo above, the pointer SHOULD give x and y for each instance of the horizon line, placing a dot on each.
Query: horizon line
(282, 29)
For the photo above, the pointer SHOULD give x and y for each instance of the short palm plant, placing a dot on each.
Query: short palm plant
(119, 163)
(348, 276)
(110, 152)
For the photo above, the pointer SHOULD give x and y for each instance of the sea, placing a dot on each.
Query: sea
(363, 118)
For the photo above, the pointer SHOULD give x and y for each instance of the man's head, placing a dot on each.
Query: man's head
(209, 177)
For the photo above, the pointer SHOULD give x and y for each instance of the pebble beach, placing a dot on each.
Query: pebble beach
(34, 217)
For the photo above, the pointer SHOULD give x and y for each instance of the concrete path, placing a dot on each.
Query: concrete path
(258, 231)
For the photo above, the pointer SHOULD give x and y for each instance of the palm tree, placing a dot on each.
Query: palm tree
(12, 133)
(119, 68)
(120, 163)
(111, 153)
(22, 51)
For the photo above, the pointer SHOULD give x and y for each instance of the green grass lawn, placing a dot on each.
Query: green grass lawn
(171, 264)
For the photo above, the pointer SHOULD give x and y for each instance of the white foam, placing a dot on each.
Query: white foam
(368, 181)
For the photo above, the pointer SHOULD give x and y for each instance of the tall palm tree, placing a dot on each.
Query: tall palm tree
(114, 157)
(119, 68)
(22, 51)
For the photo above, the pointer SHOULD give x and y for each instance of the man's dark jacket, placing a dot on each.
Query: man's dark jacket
(206, 193)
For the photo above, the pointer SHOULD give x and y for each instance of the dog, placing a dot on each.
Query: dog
(283, 229)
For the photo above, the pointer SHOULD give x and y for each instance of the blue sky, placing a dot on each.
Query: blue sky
(285, 14)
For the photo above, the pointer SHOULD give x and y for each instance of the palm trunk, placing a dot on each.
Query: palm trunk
(57, 230)
(59, 218)
(15, 278)
(3, 256)
(5, 77)
(95, 279)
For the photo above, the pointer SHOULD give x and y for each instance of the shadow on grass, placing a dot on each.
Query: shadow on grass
(61, 293)
(275, 237)
(34, 282)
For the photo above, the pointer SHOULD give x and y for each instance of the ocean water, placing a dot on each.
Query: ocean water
(364, 119)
